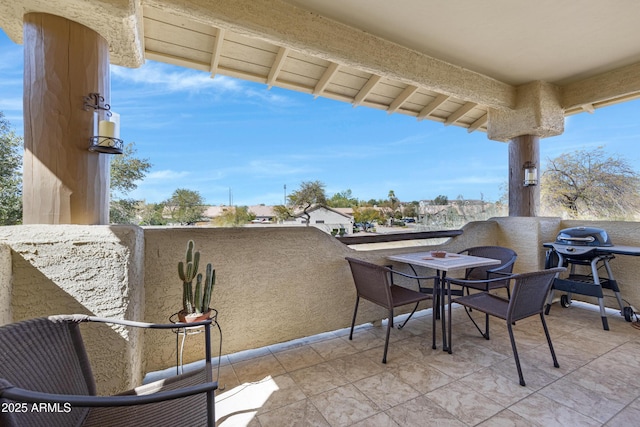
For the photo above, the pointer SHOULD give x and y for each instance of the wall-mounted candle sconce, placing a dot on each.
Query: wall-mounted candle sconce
(530, 174)
(106, 126)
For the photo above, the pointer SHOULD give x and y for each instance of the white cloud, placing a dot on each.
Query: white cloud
(166, 175)
(173, 79)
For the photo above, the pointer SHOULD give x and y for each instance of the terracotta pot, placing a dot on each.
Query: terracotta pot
(190, 318)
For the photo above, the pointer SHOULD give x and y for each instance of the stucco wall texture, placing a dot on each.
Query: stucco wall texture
(97, 270)
(273, 284)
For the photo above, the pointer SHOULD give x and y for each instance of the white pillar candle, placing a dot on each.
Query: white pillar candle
(106, 131)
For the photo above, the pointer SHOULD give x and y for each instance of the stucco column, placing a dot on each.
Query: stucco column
(63, 182)
(538, 114)
(523, 201)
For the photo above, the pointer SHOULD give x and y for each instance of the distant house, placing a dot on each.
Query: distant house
(326, 219)
(263, 213)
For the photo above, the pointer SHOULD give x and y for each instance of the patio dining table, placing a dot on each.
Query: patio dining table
(450, 262)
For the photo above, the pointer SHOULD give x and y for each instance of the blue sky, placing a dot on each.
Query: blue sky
(227, 136)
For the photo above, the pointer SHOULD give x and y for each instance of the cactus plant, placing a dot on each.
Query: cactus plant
(198, 303)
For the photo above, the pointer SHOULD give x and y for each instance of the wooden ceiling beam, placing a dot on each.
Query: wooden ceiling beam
(460, 112)
(430, 108)
(478, 123)
(217, 49)
(277, 66)
(366, 89)
(406, 93)
(328, 74)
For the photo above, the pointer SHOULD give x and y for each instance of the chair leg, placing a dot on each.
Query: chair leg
(407, 319)
(515, 353)
(353, 322)
(386, 341)
(486, 327)
(546, 332)
(484, 334)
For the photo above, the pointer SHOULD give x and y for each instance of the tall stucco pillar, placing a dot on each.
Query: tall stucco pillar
(63, 182)
(523, 200)
(538, 114)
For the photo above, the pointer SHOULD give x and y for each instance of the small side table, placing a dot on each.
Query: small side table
(186, 331)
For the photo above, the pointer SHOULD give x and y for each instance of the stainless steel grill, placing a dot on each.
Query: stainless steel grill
(587, 246)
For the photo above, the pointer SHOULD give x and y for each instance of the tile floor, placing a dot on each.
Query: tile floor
(327, 380)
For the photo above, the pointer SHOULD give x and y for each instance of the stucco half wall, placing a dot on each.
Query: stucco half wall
(274, 284)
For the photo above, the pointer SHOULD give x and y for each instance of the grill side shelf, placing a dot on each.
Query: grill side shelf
(584, 285)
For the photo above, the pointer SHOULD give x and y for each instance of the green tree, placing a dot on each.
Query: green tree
(309, 194)
(235, 216)
(366, 214)
(126, 171)
(391, 206)
(152, 214)
(185, 206)
(411, 210)
(10, 174)
(589, 184)
(343, 199)
(440, 201)
(282, 212)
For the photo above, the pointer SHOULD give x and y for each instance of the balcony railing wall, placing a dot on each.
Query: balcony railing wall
(273, 284)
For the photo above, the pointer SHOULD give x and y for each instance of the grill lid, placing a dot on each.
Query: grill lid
(583, 236)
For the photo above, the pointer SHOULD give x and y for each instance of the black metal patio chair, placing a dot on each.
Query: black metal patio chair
(374, 283)
(527, 299)
(486, 278)
(44, 361)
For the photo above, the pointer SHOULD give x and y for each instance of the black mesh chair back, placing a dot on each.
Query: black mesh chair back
(505, 255)
(373, 283)
(46, 356)
(485, 278)
(527, 299)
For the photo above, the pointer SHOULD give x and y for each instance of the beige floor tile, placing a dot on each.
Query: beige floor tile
(423, 412)
(344, 406)
(365, 339)
(318, 378)
(334, 348)
(492, 384)
(506, 418)
(258, 368)
(355, 367)
(534, 377)
(386, 390)
(298, 358)
(240, 405)
(454, 365)
(379, 420)
(600, 399)
(421, 376)
(546, 412)
(297, 414)
(286, 393)
(464, 403)
(227, 379)
(629, 416)
(248, 354)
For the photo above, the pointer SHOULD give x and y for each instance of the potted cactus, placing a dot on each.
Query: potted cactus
(195, 305)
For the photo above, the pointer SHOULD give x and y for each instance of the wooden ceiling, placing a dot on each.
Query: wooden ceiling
(174, 39)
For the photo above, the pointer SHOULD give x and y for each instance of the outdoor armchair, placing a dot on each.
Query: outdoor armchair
(44, 361)
(486, 278)
(374, 283)
(527, 299)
